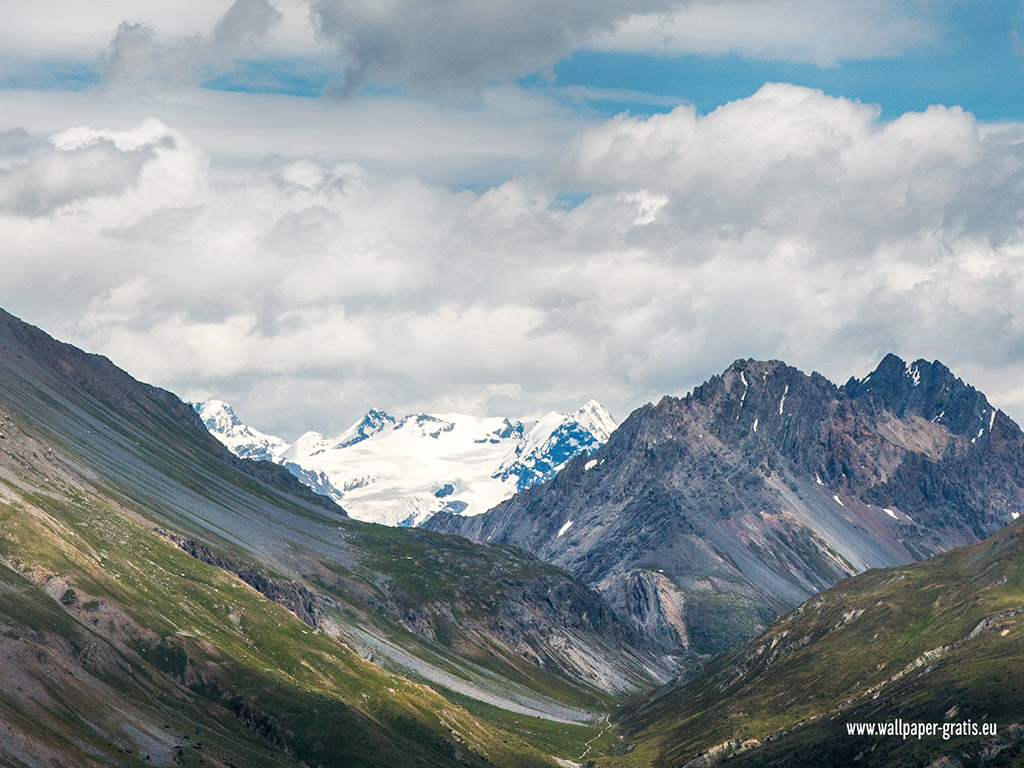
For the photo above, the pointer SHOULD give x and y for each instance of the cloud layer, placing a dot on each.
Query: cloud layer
(462, 43)
(821, 32)
(646, 256)
(450, 47)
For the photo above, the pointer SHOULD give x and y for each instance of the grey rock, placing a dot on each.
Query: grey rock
(704, 516)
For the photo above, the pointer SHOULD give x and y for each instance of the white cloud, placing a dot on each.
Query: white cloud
(245, 23)
(307, 288)
(820, 32)
(464, 44)
(58, 29)
(792, 159)
(137, 60)
(48, 178)
(140, 59)
(450, 47)
(507, 133)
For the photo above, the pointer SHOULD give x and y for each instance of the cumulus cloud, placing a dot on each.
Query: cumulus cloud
(47, 177)
(808, 162)
(79, 165)
(652, 253)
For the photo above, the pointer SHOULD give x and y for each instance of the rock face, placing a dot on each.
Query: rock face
(704, 516)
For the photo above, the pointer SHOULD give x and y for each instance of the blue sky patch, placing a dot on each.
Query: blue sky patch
(48, 75)
(292, 77)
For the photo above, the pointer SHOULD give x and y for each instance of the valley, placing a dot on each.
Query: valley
(101, 475)
(168, 602)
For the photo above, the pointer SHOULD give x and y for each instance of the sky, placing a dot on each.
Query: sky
(309, 208)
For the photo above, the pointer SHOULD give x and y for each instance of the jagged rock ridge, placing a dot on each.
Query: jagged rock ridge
(705, 515)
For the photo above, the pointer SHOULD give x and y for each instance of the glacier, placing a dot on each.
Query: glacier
(400, 471)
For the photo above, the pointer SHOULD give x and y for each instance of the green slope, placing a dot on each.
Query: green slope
(941, 641)
(129, 632)
(93, 464)
(148, 450)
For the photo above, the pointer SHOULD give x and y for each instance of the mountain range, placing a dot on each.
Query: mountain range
(165, 602)
(705, 516)
(400, 471)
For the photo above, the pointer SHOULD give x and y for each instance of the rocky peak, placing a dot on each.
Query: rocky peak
(769, 484)
(763, 402)
(217, 414)
(428, 425)
(595, 419)
(508, 429)
(925, 389)
(309, 444)
(373, 422)
(245, 442)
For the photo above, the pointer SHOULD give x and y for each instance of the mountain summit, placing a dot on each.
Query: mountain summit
(242, 440)
(705, 515)
(400, 471)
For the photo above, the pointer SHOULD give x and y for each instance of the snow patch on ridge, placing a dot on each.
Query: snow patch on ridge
(914, 372)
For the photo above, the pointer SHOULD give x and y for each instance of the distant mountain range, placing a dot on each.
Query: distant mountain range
(702, 517)
(400, 471)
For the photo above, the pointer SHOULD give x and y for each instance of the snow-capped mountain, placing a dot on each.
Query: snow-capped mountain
(241, 440)
(400, 471)
(554, 440)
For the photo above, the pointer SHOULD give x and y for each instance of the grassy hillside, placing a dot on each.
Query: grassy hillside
(131, 644)
(118, 640)
(939, 641)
